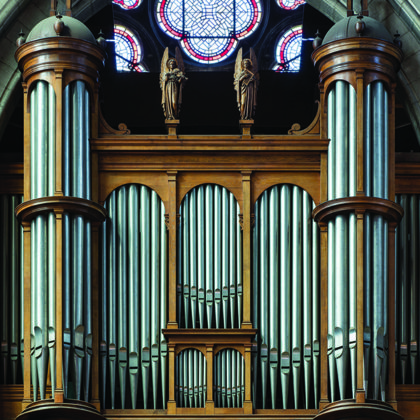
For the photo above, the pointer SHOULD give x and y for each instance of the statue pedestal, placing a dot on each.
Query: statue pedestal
(172, 126)
(246, 128)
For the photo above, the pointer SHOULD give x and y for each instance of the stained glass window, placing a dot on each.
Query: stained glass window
(128, 52)
(290, 4)
(127, 4)
(288, 50)
(208, 30)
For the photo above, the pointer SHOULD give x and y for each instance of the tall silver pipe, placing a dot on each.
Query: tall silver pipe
(263, 295)
(239, 285)
(414, 286)
(4, 259)
(51, 235)
(201, 238)
(217, 253)
(367, 169)
(163, 302)
(112, 308)
(403, 290)
(34, 374)
(88, 310)
(103, 350)
(193, 255)
(209, 254)
(225, 256)
(352, 127)
(296, 291)
(273, 278)
(285, 280)
(145, 290)
(315, 307)
(22, 295)
(154, 295)
(341, 325)
(185, 252)
(255, 304)
(133, 292)
(307, 292)
(331, 242)
(233, 246)
(66, 241)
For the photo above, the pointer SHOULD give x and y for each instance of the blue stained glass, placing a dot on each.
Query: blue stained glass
(128, 53)
(288, 51)
(127, 4)
(208, 29)
(290, 4)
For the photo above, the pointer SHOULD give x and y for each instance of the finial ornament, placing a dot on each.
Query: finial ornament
(172, 79)
(246, 79)
(360, 25)
(21, 40)
(101, 39)
(317, 42)
(58, 24)
(397, 41)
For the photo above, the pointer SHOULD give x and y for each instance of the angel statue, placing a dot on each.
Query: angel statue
(246, 83)
(172, 78)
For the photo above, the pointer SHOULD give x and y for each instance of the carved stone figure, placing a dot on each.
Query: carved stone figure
(172, 78)
(246, 84)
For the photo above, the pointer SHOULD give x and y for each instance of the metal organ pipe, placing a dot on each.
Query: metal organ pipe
(285, 295)
(42, 99)
(11, 284)
(342, 257)
(407, 290)
(228, 379)
(208, 264)
(135, 297)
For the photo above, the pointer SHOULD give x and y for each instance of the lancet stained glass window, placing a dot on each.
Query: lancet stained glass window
(128, 52)
(290, 4)
(288, 51)
(127, 4)
(208, 30)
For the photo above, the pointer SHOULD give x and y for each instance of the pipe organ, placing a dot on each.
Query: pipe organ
(134, 298)
(202, 275)
(285, 299)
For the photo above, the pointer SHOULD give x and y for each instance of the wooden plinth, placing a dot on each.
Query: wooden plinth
(67, 410)
(246, 128)
(172, 126)
(350, 410)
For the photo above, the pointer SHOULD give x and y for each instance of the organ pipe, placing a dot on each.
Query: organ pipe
(135, 298)
(285, 292)
(11, 284)
(209, 272)
(228, 379)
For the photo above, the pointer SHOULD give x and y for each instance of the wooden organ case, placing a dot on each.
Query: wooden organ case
(200, 295)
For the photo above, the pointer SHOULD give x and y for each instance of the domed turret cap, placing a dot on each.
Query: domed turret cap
(72, 28)
(346, 28)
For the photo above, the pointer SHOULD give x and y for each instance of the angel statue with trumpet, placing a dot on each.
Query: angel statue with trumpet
(172, 78)
(246, 83)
